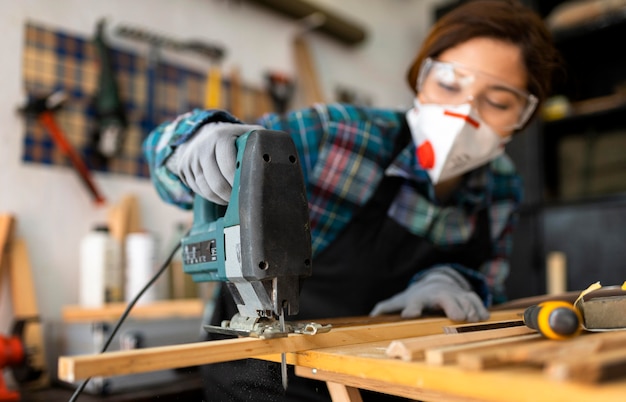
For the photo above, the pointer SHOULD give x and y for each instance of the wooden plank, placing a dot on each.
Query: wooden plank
(7, 224)
(354, 382)
(306, 72)
(72, 368)
(548, 350)
(24, 302)
(369, 365)
(413, 348)
(342, 393)
(598, 367)
(448, 354)
(181, 308)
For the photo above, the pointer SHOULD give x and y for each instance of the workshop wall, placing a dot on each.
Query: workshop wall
(53, 209)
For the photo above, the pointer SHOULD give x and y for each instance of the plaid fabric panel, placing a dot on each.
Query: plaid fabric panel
(54, 60)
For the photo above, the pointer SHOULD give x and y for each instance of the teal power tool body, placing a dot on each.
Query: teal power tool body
(260, 244)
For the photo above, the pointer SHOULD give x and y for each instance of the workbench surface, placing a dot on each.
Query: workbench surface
(514, 364)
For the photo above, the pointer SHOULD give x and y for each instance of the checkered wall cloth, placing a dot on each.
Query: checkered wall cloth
(54, 60)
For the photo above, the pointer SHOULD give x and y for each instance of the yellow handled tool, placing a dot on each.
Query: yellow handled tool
(554, 319)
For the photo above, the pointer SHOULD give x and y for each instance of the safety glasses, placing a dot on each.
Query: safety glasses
(500, 105)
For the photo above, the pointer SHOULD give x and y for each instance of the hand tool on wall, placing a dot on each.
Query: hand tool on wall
(111, 123)
(260, 245)
(213, 88)
(43, 109)
(157, 42)
(280, 89)
(554, 319)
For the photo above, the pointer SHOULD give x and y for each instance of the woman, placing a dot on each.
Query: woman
(410, 211)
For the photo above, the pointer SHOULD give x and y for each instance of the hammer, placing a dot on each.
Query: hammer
(43, 109)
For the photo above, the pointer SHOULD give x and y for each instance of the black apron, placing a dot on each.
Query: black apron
(371, 260)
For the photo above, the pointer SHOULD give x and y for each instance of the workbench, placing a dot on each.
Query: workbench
(355, 356)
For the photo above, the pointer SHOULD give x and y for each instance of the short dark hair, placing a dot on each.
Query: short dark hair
(507, 20)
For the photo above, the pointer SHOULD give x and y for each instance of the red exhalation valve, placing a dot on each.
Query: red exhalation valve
(426, 155)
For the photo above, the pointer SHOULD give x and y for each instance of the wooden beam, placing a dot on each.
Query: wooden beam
(342, 393)
(602, 366)
(387, 387)
(72, 368)
(413, 348)
(24, 299)
(449, 354)
(183, 308)
(7, 223)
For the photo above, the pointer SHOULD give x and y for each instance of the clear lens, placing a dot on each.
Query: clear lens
(499, 105)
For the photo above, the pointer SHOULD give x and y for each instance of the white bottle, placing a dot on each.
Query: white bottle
(140, 266)
(100, 276)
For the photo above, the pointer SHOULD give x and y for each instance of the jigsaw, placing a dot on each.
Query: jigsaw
(260, 244)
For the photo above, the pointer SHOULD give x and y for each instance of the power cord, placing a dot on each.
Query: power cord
(124, 315)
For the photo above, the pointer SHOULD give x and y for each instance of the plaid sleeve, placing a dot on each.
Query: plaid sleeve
(344, 151)
(162, 142)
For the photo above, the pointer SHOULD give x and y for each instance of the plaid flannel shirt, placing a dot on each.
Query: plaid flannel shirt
(345, 151)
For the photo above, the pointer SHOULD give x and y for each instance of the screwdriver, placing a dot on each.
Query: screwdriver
(554, 319)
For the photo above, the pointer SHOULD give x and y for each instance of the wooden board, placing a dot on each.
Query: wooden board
(307, 76)
(354, 383)
(24, 300)
(183, 308)
(413, 348)
(367, 366)
(72, 368)
(7, 223)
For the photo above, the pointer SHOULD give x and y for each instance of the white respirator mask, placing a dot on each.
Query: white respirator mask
(451, 140)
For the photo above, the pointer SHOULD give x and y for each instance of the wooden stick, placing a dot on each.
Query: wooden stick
(388, 386)
(183, 308)
(448, 354)
(549, 350)
(25, 307)
(307, 72)
(413, 349)
(159, 358)
(72, 368)
(595, 368)
(7, 223)
(342, 393)
(489, 355)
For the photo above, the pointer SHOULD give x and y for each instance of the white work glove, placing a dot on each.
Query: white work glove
(206, 163)
(441, 289)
